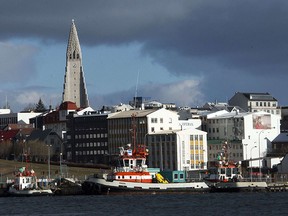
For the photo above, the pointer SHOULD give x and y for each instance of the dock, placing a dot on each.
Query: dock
(278, 187)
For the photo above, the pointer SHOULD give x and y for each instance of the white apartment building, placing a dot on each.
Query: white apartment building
(173, 144)
(178, 149)
(249, 135)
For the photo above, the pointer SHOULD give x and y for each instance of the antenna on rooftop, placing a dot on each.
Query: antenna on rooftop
(136, 89)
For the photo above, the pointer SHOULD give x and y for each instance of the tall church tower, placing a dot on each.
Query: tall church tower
(74, 82)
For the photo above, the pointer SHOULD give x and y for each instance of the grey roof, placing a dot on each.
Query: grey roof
(128, 114)
(258, 96)
(282, 137)
(39, 135)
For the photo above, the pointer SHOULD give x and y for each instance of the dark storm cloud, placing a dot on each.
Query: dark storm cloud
(246, 36)
(236, 40)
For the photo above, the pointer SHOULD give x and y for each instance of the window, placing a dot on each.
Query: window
(161, 120)
(153, 120)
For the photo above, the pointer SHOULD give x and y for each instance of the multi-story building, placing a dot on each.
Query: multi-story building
(178, 149)
(173, 144)
(244, 133)
(56, 120)
(148, 121)
(87, 138)
(255, 102)
(15, 118)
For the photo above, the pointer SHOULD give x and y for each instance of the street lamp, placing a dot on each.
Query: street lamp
(260, 173)
(251, 162)
(49, 162)
(60, 165)
(245, 145)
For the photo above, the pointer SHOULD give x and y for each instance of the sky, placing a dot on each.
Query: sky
(183, 52)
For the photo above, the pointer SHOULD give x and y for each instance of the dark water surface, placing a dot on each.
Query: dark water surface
(173, 204)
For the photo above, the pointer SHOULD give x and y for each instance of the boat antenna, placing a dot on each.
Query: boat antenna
(134, 130)
(136, 89)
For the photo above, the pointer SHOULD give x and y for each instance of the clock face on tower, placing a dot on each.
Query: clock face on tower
(74, 65)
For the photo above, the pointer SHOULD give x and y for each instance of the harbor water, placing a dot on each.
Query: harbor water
(137, 205)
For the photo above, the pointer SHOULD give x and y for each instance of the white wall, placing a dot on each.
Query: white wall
(254, 137)
(170, 120)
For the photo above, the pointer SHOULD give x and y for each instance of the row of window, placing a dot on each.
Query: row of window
(155, 120)
(87, 136)
(196, 147)
(265, 104)
(92, 152)
(95, 144)
(277, 112)
(220, 147)
(90, 129)
(161, 128)
(223, 121)
(9, 120)
(197, 157)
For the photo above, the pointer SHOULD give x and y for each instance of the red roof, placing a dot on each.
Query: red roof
(68, 105)
(8, 135)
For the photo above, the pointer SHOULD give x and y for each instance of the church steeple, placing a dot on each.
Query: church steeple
(73, 48)
(74, 82)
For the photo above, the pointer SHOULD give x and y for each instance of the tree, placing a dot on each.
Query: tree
(40, 107)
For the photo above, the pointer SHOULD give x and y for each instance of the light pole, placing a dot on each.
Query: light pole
(245, 145)
(49, 162)
(60, 165)
(251, 161)
(147, 134)
(260, 173)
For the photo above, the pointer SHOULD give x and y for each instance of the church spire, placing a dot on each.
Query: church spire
(73, 47)
(74, 82)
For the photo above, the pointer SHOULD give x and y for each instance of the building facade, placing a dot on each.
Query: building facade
(248, 135)
(178, 150)
(15, 118)
(255, 102)
(87, 138)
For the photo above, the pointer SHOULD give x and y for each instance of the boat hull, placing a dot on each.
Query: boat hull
(29, 192)
(102, 186)
(239, 187)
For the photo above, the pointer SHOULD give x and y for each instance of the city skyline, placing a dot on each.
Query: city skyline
(184, 52)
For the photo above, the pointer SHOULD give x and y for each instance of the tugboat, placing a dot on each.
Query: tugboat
(25, 184)
(132, 175)
(226, 176)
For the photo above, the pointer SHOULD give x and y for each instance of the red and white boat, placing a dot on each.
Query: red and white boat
(25, 184)
(132, 175)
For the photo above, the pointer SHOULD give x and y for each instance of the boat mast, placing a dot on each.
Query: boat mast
(134, 130)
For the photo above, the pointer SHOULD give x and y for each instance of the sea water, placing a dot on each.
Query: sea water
(153, 204)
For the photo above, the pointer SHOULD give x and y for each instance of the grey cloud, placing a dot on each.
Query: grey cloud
(239, 35)
(16, 63)
(182, 93)
(210, 39)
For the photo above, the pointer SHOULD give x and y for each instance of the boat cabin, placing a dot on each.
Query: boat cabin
(224, 174)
